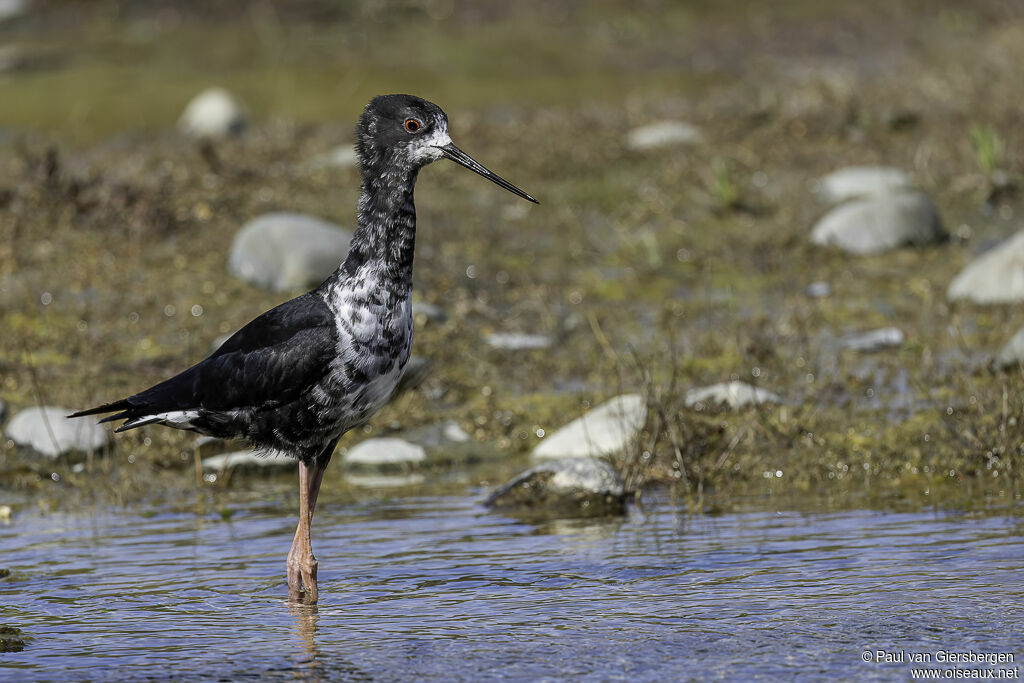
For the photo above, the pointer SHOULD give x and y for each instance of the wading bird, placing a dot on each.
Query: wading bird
(299, 376)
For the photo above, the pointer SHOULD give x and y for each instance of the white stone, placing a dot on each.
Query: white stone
(213, 113)
(343, 156)
(49, 432)
(515, 341)
(732, 394)
(662, 134)
(254, 459)
(875, 340)
(995, 277)
(385, 451)
(383, 481)
(605, 430)
(877, 224)
(287, 251)
(862, 181)
(10, 9)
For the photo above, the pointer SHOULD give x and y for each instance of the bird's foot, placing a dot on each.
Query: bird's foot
(302, 586)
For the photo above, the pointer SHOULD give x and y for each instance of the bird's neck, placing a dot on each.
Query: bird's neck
(385, 237)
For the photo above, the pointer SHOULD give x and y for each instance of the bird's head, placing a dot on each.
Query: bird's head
(407, 132)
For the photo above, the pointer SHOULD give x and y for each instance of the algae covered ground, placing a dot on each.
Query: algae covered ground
(654, 271)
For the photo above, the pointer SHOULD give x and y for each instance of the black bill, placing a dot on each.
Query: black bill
(452, 152)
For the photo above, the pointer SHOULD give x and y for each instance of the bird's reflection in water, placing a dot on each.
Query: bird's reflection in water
(306, 617)
(311, 664)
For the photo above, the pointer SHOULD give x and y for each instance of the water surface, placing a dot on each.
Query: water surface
(439, 588)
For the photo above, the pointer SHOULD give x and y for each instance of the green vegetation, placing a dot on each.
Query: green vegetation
(630, 262)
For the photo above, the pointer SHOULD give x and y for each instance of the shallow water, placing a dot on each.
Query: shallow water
(439, 588)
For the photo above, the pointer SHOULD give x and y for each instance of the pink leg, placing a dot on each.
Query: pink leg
(301, 562)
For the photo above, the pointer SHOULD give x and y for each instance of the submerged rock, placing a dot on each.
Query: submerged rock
(995, 277)
(248, 460)
(877, 224)
(1012, 352)
(213, 113)
(663, 134)
(287, 251)
(731, 394)
(605, 430)
(862, 181)
(573, 487)
(516, 341)
(385, 452)
(875, 340)
(49, 432)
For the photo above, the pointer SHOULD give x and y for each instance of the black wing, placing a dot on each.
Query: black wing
(269, 362)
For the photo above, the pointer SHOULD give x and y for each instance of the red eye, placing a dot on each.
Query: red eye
(412, 125)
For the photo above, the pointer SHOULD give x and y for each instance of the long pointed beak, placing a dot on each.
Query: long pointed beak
(450, 151)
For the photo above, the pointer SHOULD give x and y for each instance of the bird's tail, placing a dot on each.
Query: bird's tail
(123, 411)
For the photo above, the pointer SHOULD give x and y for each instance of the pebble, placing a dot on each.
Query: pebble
(287, 251)
(605, 430)
(385, 452)
(6, 513)
(573, 487)
(248, 460)
(733, 394)
(818, 290)
(49, 432)
(663, 134)
(862, 181)
(515, 341)
(994, 277)
(875, 340)
(213, 113)
(881, 223)
(1012, 352)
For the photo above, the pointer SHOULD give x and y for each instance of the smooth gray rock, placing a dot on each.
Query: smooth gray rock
(1012, 352)
(50, 433)
(446, 443)
(248, 460)
(875, 340)
(862, 181)
(567, 487)
(516, 341)
(213, 113)
(607, 429)
(663, 134)
(730, 394)
(384, 452)
(995, 277)
(877, 224)
(287, 251)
